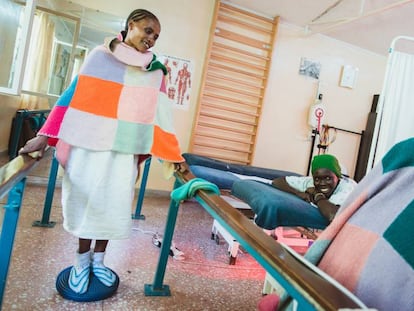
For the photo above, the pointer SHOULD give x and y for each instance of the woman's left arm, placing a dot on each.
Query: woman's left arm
(326, 208)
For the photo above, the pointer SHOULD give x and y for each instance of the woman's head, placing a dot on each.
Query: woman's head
(142, 29)
(327, 161)
(326, 173)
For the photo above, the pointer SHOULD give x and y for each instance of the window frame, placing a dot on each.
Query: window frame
(23, 48)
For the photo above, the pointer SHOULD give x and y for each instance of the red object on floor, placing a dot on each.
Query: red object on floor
(268, 303)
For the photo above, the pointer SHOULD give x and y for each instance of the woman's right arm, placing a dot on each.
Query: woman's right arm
(38, 143)
(281, 184)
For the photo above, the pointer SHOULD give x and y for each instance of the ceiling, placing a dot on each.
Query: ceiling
(369, 24)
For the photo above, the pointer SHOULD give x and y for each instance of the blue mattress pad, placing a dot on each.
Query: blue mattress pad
(222, 173)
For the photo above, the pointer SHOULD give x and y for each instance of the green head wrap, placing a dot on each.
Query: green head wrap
(327, 161)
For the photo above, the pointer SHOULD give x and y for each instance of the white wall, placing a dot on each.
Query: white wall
(283, 140)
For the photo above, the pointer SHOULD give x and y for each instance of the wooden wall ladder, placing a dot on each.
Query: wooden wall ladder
(233, 84)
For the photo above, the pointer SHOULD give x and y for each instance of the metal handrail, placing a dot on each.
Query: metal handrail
(14, 171)
(308, 285)
(12, 183)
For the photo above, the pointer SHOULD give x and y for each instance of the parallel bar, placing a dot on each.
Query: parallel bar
(8, 232)
(14, 171)
(12, 183)
(47, 206)
(304, 283)
(157, 288)
(21, 115)
(141, 194)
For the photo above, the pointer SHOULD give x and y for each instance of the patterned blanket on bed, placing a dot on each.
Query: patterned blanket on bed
(369, 246)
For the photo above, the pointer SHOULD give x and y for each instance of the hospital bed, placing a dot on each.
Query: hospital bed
(248, 189)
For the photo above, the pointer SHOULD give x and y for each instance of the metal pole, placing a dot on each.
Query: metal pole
(314, 133)
(8, 232)
(49, 197)
(157, 288)
(142, 188)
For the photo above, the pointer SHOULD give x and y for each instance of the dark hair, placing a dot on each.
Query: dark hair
(136, 16)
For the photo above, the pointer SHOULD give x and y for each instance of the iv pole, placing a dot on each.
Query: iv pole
(314, 133)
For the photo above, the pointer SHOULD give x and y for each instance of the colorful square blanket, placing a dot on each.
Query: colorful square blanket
(119, 103)
(369, 245)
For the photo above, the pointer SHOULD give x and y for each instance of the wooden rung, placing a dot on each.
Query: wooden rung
(226, 118)
(222, 157)
(225, 138)
(223, 147)
(232, 36)
(230, 109)
(231, 100)
(238, 81)
(234, 90)
(241, 62)
(233, 9)
(226, 128)
(236, 70)
(240, 51)
(242, 23)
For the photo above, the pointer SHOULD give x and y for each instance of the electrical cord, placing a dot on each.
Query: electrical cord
(178, 255)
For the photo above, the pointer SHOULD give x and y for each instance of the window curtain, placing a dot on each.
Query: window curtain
(38, 64)
(396, 105)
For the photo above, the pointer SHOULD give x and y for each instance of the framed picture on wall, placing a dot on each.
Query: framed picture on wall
(309, 68)
(348, 76)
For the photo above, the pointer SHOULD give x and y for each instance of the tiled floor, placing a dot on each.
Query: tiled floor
(203, 280)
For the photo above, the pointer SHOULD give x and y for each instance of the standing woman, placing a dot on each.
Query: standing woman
(114, 114)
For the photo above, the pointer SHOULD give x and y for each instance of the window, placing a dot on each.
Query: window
(43, 44)
(15, 24)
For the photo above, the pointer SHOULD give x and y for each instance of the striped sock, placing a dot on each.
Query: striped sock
(79, 274)
(105, 275)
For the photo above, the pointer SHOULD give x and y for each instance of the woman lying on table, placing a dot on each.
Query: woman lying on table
(325, 189)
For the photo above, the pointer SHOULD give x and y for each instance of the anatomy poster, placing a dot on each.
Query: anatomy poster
(178, 80)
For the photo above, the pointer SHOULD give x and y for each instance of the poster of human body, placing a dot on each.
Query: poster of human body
(178, 80)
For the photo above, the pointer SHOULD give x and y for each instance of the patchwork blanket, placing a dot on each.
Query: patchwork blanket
(117, 102)
(369, 245)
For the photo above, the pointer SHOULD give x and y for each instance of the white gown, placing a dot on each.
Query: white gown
(97, 194)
